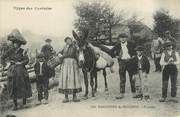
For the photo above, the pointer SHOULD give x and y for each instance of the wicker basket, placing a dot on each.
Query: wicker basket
(55, 61)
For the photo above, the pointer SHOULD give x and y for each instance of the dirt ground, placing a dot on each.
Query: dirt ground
(105, 104)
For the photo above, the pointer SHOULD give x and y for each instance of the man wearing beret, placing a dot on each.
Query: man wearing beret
(47, 49)
(48, 52)
(124, 51)
(169, 60)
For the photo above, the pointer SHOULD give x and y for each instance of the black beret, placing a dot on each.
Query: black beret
(123, 35)
(48, 40)
(139, 48)
(40, 55)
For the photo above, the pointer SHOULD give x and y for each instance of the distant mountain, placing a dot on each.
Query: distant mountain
(36, 41)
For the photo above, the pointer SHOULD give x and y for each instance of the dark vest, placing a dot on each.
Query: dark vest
(142, 64)
(167, 56)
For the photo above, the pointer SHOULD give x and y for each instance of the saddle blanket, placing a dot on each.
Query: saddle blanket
(103, 55)
(101, 63)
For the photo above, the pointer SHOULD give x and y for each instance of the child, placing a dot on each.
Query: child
(141, 67)
(42, 77)
(169, 59)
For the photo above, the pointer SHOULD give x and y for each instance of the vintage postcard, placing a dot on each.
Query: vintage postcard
(89, 58)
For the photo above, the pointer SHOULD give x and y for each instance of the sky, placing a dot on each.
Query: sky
(59, 20)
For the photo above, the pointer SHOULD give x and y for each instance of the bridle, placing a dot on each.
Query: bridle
(84, 67)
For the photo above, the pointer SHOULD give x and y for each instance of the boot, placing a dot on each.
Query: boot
(24, 103)
(162, 99)
(66, 99)
(140, 97)
(121, 96)
(15, 105)
(45, 101)
(75, 99)
(38, 102)
(146, 97)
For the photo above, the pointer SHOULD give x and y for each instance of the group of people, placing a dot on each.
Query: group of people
(131, 58)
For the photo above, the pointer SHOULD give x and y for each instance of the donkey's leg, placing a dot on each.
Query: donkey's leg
(105, 79)
(92, 83)
(96, 82)
(86, 83)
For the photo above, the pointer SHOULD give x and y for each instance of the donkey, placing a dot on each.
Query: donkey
(87, 61)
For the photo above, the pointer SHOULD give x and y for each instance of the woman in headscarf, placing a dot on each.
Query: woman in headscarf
(69, 75)
(19, 86)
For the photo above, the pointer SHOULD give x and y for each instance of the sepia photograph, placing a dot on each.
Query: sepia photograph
(89, 58)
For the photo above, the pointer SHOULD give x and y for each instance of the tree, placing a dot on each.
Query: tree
(96, 17)
(163, 21)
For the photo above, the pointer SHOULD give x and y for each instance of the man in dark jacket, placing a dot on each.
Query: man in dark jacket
(48, 52)
(47, 49)
(124, 50)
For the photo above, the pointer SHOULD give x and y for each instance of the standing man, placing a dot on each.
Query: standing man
(48, 51)
(124, 50)
(156, 52)
(169, 60)
(167, 38)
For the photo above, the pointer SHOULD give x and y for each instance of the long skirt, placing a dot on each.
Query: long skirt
(18, 82)
(70, 81)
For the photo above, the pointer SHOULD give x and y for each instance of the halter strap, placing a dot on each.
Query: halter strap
(93, 61)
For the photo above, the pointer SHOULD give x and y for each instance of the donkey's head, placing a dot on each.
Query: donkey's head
(86, 55)
(81, 42)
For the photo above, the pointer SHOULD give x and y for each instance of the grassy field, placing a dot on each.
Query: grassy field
(105, 104)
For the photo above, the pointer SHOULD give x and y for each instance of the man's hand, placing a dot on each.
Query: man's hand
(171, 61)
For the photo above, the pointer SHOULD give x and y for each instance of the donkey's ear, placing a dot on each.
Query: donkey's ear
(86, 33)
(75, 36)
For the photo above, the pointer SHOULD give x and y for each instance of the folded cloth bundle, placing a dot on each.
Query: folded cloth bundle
(101, 63)
(104, 55)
